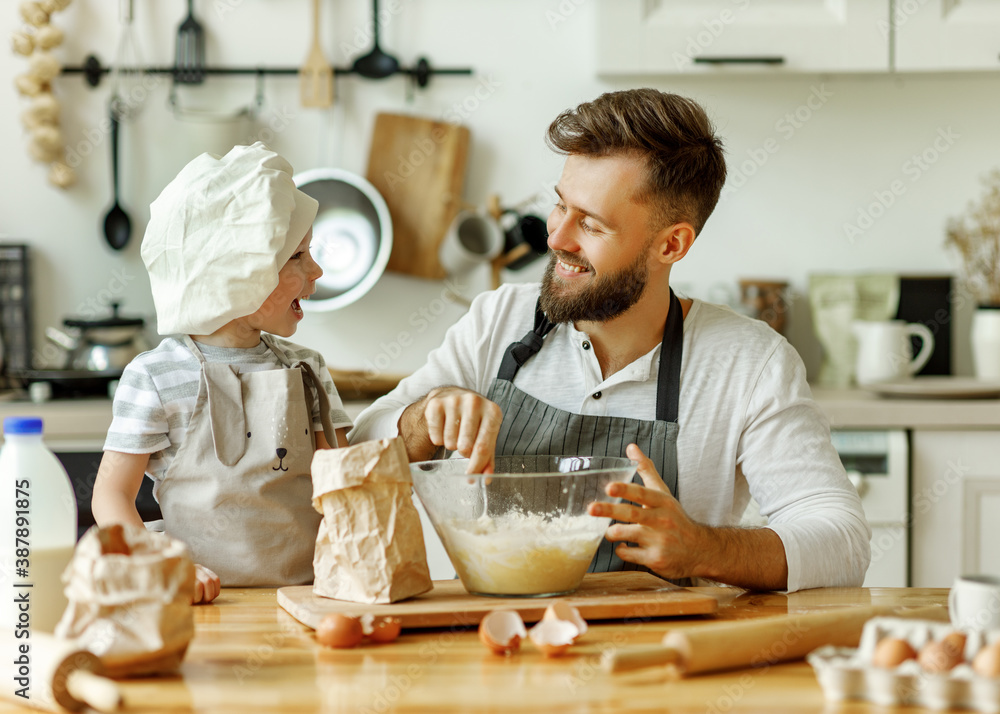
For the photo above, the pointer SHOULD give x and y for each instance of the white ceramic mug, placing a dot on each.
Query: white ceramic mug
(473, 238)
(884, 350)
(974, 602)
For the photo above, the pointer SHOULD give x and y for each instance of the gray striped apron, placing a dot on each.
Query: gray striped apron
(531, 426)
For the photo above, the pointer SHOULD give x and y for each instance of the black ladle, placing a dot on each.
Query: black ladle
(376, 64)
(117, 226)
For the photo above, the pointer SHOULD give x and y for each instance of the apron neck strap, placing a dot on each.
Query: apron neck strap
(279, 353)
(668, 387)
(314, 384)
(520, 352)
(192, 345)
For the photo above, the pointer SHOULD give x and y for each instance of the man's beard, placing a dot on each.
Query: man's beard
(605, 298)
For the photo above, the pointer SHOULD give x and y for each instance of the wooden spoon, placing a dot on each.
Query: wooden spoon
(316, 75)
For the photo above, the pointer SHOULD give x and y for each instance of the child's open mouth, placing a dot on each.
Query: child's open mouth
(297, 308)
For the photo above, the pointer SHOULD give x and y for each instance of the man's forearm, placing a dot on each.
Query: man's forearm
(752, 558)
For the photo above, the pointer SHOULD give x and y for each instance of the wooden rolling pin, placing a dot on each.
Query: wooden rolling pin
(55, 675)
(757, 642)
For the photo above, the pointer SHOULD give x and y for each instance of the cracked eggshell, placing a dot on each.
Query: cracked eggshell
(48, 37)
(502, 631)
(22, 43)
(563, 611)
(553, 637)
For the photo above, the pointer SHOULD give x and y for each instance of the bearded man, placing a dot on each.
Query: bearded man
(603, 359)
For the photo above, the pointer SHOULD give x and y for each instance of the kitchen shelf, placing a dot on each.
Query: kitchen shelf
(858, 408)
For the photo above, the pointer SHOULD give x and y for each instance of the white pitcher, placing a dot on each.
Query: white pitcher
(884, 350)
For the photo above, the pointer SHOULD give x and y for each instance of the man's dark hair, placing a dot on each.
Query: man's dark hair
(685, 167)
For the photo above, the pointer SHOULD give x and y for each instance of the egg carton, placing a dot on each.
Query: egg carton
(848, 673)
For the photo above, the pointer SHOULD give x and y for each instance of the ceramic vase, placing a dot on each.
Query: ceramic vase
(985, 342)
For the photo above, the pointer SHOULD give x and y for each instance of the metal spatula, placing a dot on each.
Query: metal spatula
(189, 62)
(316, 75)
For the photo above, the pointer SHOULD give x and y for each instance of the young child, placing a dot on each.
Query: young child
(224, 416)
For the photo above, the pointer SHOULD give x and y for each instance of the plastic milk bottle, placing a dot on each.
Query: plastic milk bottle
(37, 529)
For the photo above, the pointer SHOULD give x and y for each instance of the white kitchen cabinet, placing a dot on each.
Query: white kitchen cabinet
(934, 35)
(706, 36)
(955, 496)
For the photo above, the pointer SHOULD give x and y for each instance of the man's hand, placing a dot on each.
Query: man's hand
(668, 542)
(206, 585)
(459, 420)
(672, 545)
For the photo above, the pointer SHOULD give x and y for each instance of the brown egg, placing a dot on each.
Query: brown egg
(892, 651)
(956, 641)
(339, 631)
(385, 629)
(986, 663)
(502, 631)
(940, 656)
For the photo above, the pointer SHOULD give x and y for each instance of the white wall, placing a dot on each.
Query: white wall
(785, 220)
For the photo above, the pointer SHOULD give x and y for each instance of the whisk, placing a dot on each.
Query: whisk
(129, 87)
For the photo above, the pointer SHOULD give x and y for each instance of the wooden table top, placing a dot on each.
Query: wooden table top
(248, 655)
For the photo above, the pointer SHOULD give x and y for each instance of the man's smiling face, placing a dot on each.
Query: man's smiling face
(599, 235)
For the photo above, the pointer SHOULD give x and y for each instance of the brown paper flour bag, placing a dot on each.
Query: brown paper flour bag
(129, 593)
(370, 546)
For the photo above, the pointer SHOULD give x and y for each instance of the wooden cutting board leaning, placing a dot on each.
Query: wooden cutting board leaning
(418, 165)
(602, 596)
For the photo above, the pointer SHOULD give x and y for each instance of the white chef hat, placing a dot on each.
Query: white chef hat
(217, 236)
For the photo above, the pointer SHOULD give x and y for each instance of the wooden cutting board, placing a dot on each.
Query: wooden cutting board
(418, 165)
(602, 596)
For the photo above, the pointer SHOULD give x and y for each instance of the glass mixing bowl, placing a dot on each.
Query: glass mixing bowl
(523, 530)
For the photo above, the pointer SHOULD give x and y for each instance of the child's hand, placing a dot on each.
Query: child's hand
(206, 585)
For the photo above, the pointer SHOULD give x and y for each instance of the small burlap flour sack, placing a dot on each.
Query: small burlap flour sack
(370, 546)
(129, 593)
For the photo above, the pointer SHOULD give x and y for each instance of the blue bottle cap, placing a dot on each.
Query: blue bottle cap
(22, 425)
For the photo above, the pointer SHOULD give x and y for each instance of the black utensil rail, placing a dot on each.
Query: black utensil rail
(420, 73)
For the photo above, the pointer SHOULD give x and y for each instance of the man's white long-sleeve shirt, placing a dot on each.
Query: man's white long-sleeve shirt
(748, 424)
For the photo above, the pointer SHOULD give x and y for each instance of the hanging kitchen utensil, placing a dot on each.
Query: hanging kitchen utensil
(128, 92)
(376, 64)
(316, 75)
(189, 62)
(117, 226)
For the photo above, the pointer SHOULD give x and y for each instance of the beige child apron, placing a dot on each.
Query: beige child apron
(239, 489)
